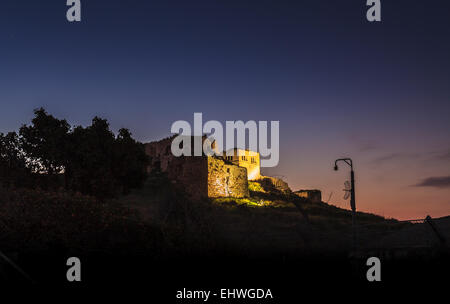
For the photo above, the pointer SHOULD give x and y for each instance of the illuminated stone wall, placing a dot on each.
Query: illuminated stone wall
(226, 179)
(247, 159)
(199, 176)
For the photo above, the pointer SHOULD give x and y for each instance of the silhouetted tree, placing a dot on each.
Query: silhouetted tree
(102, 165)
(92, 160)
(45, 143)
(130, 161)
(13, 169)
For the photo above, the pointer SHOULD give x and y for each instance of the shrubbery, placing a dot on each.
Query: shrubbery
(37, 220)
(51, 154)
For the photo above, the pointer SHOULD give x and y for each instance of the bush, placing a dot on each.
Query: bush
(255, 187)
(51, 154)
(36, 220)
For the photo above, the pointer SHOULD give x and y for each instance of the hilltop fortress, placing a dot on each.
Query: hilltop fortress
(224, 175)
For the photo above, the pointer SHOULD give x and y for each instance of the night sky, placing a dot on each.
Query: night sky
(339, 85)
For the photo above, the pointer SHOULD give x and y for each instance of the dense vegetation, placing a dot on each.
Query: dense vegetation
(50, 154)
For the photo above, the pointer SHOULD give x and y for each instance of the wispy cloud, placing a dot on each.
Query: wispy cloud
(394, 156)
(444, 156)
(362, 143)
(435, 182)
(367, 147)
(438, 156)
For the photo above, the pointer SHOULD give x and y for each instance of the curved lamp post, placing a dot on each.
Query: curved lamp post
(349, 162)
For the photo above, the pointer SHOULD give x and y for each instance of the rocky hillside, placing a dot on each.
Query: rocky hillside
(266, 222)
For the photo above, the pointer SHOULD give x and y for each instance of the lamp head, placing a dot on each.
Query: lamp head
(335, 168)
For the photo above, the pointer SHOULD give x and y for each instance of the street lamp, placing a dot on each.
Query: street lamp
(349, 162)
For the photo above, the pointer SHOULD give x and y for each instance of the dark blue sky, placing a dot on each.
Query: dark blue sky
(339, 85)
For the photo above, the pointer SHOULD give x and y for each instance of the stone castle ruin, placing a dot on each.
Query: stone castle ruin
(312, 195)
(226, 175)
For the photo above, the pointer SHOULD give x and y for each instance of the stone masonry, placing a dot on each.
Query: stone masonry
(200, 176)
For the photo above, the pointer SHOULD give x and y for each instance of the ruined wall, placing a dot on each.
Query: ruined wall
(160, 154)
(274, 184)
(226, 179)
(187, 172)
(199, 176)
(210, 176)
(313, 195)
(191, 174)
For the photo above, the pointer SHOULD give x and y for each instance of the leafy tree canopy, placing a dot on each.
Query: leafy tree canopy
(90, 160)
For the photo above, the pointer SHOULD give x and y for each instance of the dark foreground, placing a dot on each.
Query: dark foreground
(170, 244)
(288, 277)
